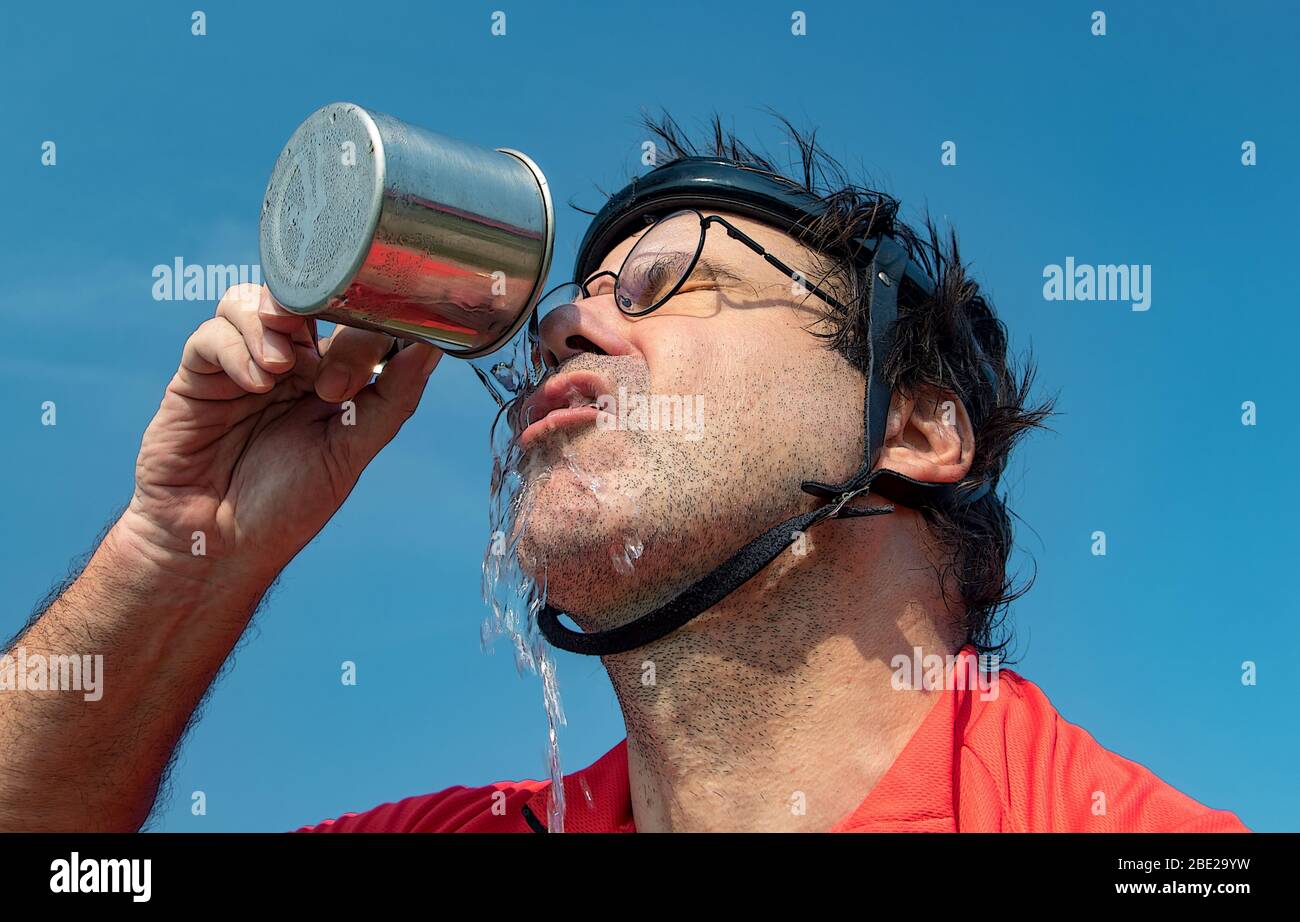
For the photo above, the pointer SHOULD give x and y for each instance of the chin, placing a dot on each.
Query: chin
(563, 519)
(571, 534)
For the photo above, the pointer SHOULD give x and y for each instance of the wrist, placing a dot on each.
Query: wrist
(135, 562)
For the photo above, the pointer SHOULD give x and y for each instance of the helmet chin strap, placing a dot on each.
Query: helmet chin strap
(889, 262)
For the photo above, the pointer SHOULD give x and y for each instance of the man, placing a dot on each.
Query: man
(836, 510)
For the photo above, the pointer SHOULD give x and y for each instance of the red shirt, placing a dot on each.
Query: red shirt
(1008, 764)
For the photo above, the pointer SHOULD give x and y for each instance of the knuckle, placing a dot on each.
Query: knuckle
(240, 299)
(204, 332)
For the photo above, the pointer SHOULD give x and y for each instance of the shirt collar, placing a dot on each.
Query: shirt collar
(916, 793)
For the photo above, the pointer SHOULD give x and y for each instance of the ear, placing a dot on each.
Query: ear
(929, 437)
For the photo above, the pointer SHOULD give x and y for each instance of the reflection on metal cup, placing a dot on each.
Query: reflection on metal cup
(373, 223)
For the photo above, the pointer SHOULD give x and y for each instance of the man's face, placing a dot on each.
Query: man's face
(709, 413)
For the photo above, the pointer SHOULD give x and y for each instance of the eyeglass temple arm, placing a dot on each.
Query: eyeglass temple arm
(758, 248)
(912, 274)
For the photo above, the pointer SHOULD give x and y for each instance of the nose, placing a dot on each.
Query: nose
(590, 325)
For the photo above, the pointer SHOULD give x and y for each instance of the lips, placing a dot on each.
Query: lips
(564, 401)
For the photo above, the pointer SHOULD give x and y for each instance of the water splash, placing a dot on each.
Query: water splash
(515, 596)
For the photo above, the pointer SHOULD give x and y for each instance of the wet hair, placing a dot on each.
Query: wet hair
(934, 347)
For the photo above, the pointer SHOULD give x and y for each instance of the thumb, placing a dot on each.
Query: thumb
(386, 403)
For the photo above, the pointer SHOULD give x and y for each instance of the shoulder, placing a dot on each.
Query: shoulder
(507, 806)
(1048, 774)
(491, 808)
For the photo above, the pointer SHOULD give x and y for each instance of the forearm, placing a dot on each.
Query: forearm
(93, 758)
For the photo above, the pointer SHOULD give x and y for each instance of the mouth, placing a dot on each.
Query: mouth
(563, 402)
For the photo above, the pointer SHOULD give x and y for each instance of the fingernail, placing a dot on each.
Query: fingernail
(332, 383)
(271, 350)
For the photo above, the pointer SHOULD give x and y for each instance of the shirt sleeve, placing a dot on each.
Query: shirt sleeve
(493, 808)
(1061, 779)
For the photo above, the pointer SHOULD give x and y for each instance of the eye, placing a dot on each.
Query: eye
(651, 278)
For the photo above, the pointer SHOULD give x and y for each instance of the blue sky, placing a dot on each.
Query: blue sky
(1117, 149)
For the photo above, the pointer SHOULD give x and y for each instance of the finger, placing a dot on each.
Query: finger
(274, 316)
(350, 357)
(385, 405)
(270, 349)
(216, 347)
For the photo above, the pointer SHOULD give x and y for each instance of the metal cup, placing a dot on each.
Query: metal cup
(373, 223)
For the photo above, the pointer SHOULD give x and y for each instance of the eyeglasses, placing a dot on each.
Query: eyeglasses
(663, 260)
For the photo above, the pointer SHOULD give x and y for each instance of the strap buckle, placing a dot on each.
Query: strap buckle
(838, 511)
(837, 501)
(843, 498)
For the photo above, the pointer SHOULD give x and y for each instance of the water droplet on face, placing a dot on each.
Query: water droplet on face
(626, 554)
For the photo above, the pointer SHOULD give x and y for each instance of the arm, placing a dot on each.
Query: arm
(245, 461)
(94, 761)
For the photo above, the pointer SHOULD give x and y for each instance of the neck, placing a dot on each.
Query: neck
(774, 710)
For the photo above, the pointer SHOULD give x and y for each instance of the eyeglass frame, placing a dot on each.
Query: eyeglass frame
(705, 220)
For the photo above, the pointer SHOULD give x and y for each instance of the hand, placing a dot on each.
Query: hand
(250, 452)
